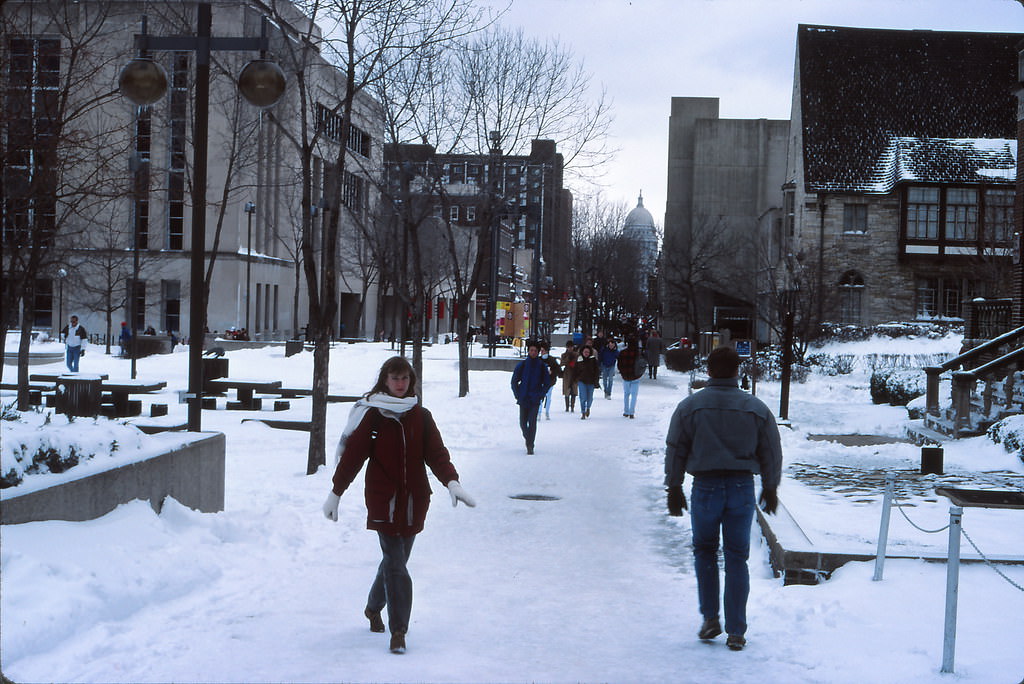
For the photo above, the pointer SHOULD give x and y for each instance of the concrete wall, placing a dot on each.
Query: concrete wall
(193, 475)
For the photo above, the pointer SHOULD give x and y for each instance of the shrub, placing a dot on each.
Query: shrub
(896, 387)
(1010, 433)
(832, 364)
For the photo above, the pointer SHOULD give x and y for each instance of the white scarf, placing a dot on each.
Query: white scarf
(389, 406)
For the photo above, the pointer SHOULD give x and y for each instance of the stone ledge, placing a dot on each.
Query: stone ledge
(479, 363)
(192, 475)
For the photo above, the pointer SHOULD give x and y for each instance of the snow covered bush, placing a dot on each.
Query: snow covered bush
(916, 408)
(832, 364)
(896, 387)
(1010, 433)
(47, 442)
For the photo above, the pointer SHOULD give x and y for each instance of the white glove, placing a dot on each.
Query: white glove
(459, 494)
(331, 507)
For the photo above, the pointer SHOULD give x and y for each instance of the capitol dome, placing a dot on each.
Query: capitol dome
(639, 228)
(639, 217)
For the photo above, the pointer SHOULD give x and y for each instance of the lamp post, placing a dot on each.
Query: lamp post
(138, 166)
(61, 275)
(492, 304)
(250, 209)
(142, 81)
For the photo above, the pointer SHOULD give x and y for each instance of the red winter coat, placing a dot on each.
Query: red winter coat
(397, 491)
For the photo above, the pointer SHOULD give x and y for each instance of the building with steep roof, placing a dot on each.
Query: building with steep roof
(898, 202)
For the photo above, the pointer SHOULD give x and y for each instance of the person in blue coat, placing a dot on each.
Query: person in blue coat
(530, 382)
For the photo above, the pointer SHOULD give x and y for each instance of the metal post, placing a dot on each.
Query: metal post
(883, 529)
(952, 587)
(197, 298)
(787, 358)
(250, 209)
(492, 304)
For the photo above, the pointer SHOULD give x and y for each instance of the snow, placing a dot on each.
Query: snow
(596, 585)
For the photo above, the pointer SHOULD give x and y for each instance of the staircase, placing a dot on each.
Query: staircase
(987, 386)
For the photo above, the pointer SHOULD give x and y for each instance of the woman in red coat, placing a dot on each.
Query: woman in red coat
(399, 438)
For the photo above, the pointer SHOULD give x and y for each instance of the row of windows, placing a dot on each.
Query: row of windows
(935, 297)
(959, 214)
(49, 296)
(330, 124)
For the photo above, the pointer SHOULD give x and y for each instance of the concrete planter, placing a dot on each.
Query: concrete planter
(192, 474)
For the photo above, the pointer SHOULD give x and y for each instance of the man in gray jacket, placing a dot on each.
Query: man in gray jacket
(722, 436)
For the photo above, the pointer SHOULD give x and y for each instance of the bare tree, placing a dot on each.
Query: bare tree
(62, 165)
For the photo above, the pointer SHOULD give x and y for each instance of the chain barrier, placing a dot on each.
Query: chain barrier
(985, 558)
(990, 563)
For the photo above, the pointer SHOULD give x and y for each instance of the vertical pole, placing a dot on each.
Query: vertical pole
(883, 529)
(952, 588)
(787, 358)
(250, 208)
(197, 298)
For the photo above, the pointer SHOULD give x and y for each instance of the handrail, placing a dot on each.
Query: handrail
(995, 342)
(994, 364)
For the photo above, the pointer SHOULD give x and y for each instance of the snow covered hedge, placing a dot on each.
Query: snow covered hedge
(897, 387)
(1010, 433)
(47, 442)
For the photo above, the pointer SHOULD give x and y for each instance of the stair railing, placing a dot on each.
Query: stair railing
(932, 373)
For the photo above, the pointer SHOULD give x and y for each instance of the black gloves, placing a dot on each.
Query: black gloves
(769, 501)
(676, 500)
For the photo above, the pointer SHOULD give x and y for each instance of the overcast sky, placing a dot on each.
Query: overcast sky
(644, 52)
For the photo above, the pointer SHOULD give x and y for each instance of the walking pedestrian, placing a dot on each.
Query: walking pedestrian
(75, 337)
(568, 361)
(530, 382)
(653, 350)
(399, 438)
(556, 372)
(125, 338)
(588, 378)
(722, 436)
(631, 368)
(608, 355)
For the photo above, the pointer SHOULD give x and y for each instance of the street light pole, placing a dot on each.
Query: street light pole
(61, 275)
(261, 83)
(492, 304)
(250, 209)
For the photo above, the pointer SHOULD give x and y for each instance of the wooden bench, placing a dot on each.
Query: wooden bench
(244, 390)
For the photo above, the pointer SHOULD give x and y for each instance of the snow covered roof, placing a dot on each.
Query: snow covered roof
(944, 160)
(866, 96)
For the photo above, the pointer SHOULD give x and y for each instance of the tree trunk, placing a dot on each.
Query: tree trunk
(316, 456)
(462, 330)
(26, 338)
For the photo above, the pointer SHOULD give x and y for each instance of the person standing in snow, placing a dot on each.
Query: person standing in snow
(631, 368)
(568, 360)
(556, 372)
(399, 438)
(722, 436)
(530, 382)
(608, 355)
(653, 349)
(588, 379)
(74, 339)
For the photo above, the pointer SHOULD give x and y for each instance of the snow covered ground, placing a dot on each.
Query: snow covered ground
(594, 586)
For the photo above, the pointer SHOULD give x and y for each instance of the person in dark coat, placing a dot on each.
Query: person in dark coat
(631, 367)
(568, 360)
(530, 382)
(653, 349)
(588, 379)
(399, 438)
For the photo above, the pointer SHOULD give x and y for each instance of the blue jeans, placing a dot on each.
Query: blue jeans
(586, 397)
(629, 390)
(723, 502)
(528, 411)
(607, 376)
(392, 587)
(546, 404)
(72, 358)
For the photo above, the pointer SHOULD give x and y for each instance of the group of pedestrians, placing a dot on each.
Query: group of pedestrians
(721, 436)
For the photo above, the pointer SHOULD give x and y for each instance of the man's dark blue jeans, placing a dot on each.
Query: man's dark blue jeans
(392, 587)
(528, 421)
(723, 502)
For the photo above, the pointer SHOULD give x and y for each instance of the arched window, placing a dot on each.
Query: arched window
(851, 289)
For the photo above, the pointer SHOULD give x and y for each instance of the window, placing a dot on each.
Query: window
(172, 305)
(923, 213)
(330, 124)
(961, 214)
(176, 172)
(855, 218)
(941, 297)
(851, 290)
(999, 215)
(471, 214)
(42, 311)
(788, 217)
(138, 293)
(453, 213)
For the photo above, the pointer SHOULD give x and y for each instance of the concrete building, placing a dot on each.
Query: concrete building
(900, 184)
(136, 171)
(724, 181)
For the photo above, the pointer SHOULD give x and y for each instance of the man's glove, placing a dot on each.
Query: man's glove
(331, 507)
(676, 500)
(459, 494)
(769, 501)
(81, 352)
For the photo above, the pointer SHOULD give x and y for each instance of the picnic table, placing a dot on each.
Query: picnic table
(54, 377)
(244, 390)
(121, 391)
